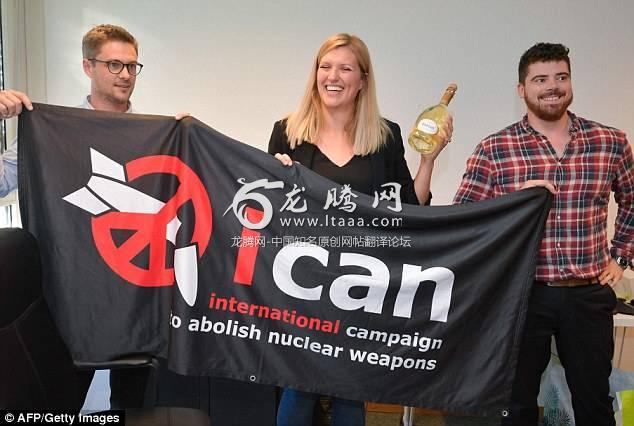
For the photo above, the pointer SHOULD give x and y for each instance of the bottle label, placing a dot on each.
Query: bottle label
(427, 126)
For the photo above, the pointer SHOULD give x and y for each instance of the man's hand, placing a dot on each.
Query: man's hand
(11, 102)
(611, 274)
(179, 116)
(544, 183)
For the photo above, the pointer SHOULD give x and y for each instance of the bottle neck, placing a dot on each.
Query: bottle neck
(447, 96)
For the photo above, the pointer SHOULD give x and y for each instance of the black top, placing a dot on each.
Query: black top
(386, 165)
(355, 172)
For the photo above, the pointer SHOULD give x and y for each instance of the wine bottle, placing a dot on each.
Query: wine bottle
(424, 136)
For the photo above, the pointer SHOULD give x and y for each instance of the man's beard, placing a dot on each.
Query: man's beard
(545, 112)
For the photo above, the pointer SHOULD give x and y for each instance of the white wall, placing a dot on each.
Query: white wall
(240, 65)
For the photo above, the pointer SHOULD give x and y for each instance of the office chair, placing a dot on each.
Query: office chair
(36, 369)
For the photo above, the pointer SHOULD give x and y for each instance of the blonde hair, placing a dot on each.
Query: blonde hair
(101, 34)
(368, 130)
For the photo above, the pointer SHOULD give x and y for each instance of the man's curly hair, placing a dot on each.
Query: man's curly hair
(542, 52)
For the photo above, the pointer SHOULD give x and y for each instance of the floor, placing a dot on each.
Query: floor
(394, 419)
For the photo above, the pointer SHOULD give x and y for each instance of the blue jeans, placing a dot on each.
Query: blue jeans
(297, 407)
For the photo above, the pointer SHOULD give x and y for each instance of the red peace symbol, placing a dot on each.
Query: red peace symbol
(150, 229)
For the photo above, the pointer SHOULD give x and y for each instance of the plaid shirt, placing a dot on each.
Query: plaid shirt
(596, 161)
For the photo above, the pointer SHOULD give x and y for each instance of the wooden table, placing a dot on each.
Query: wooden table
(622, 321)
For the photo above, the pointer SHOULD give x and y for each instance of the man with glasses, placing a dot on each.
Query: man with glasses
(110, 56)
(110, 61)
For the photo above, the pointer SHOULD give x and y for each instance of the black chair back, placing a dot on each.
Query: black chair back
(36, 369)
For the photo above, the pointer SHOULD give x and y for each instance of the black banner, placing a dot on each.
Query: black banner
(170, 238)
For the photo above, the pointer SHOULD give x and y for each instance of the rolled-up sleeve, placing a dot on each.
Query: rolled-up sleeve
(476, 182)
(623, 187)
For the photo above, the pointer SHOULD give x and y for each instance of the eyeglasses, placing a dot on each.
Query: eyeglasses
(115, 67)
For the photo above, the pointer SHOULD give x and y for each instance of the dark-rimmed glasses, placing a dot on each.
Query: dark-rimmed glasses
(115, 66)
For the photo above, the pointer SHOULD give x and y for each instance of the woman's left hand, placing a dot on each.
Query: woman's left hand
(284, 159)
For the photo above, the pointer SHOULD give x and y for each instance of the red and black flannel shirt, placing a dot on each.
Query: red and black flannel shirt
(596, 161)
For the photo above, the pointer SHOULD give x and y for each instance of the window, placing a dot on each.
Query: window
(9, 214)
(3, 128)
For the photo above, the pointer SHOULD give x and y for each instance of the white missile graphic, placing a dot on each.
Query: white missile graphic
(112, 193)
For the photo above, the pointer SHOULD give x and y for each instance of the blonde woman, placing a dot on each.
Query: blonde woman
(337, 131)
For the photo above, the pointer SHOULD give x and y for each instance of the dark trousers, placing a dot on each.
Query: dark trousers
(128, 387)
(228, 402)
(580, 319)
(298, 408)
